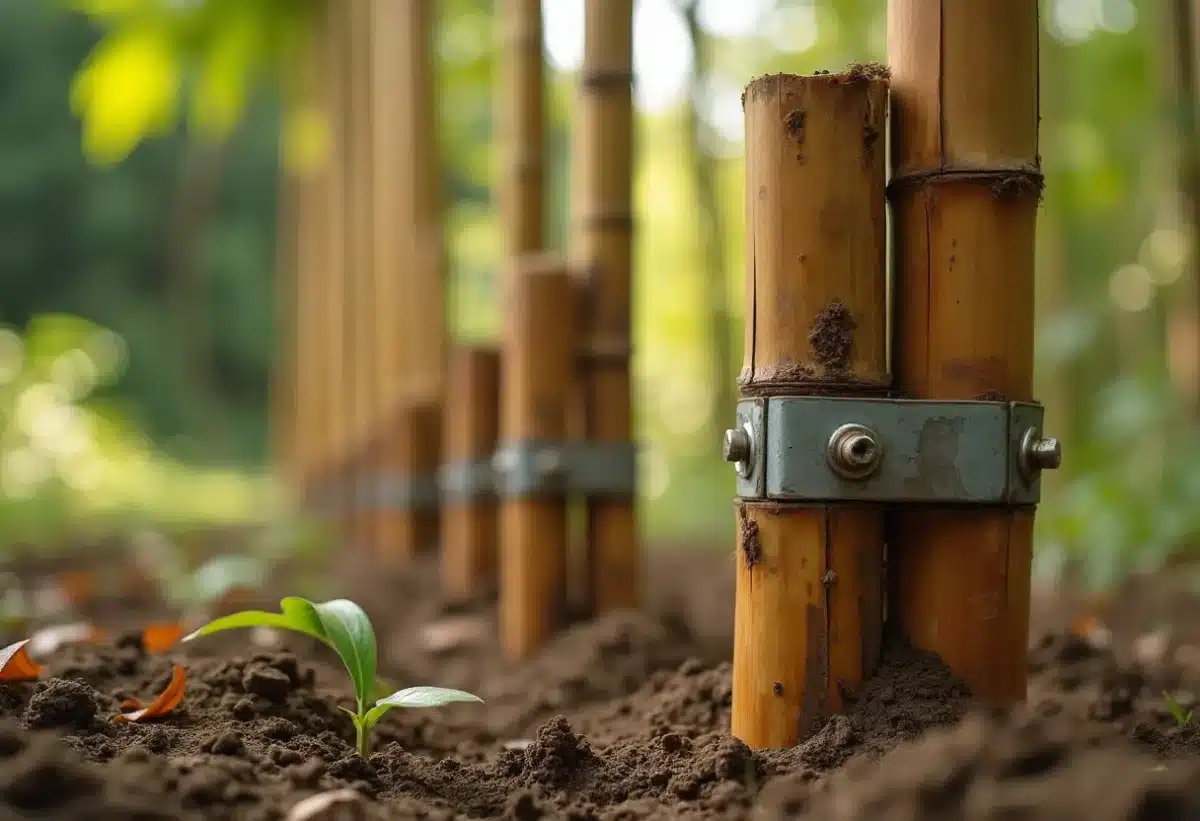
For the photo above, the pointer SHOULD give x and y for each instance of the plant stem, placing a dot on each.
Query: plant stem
(362, 736)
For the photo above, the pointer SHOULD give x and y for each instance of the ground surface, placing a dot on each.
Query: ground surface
(622, 718)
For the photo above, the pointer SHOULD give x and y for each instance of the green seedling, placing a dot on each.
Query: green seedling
(1182, 717)
(342, 625)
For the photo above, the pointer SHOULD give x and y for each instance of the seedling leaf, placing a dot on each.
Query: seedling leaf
(16, 665)
(165, 702)
(350, 632)
(1182, 717)
(418, 697)
(297, 614)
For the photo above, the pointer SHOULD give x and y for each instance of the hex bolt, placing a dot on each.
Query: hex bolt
(1039, 453)
(738, 447)
(854, 451)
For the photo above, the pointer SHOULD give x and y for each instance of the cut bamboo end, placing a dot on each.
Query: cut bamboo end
(809, 613)
(536, 379)
(808, 618)
(412, 454)
(816, 236)
(469, 525)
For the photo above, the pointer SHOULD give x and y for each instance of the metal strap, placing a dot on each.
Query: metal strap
(818, 449)
(533, 468)
(468, 480)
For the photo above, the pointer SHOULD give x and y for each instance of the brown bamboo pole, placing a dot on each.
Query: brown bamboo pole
(469, 518)
(965, 189)
(603, 205)
(413, 250)
(519, 117)
(360, 253)
(331, 193)
(809, 609)
(538, 362)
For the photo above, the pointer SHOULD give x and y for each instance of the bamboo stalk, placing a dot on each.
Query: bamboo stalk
(410, 249)
(469, 523)
(603, 205)
(331, 191)
(360, 252)
(809, 609)
(965, 190)
(538, 362)
(519, 117)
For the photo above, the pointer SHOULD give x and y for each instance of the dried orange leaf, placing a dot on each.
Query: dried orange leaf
(132, 704)
(16, 665)
(166, 701)
(161, 636)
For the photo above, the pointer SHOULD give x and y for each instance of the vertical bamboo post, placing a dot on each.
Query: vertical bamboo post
(538, 362)
(809, 609)
(359, 258)
(521, 131)
(603, 204)
(469, 521)
(331, 192)
(965, 189)
(412, 435)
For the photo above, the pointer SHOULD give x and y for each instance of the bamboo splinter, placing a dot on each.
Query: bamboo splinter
(808, 616)
(965, 189)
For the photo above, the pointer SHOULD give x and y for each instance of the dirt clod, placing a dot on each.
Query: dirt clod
(62, 703)
(832, 338)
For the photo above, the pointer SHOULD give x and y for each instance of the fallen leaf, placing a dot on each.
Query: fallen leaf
(333, 805)
(16, 665)
(48, 639)
(167, 700)
(161, 636)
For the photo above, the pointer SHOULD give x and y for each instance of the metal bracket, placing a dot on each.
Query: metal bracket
(397, 491)
(467, 480)
(554, 469)
(815, 448)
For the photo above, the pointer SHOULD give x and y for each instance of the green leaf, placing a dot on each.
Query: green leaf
(339, 623)
(350, 632)
(418, 697)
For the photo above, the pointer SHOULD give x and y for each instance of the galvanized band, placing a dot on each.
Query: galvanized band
(468, 480)
(399, 491)
(533, 468)
(917, 451)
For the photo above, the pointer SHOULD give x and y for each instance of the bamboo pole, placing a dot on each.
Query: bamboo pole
(519, 117)
(965, 189)
(809, 608)
(538, 362)
(360, 252)
(331, 192)
(469, 520)
(603, 206)
(412, 252)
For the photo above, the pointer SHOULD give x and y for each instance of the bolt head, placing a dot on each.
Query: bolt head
(736, 446)
(1046, 454)
(854, 451)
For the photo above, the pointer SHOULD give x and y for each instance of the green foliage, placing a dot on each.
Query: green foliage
(131, 85)
(344, 626)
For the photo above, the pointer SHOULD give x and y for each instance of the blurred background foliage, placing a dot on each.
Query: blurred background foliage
(139, 170)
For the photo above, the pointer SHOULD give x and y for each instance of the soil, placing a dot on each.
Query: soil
(624, 717)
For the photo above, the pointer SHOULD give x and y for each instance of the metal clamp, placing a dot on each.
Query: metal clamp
(589, 469)
(467, 480)
(398, 491)
(814, 448)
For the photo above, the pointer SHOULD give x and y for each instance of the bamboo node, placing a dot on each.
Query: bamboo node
(1018, 180)
(606, 78)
